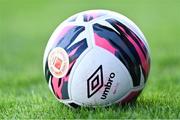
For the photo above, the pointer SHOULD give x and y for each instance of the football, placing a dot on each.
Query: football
(96, 58)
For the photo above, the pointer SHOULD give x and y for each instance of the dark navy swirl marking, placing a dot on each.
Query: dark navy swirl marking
(70, 36)
(140, 48)
(77, 48)
(116, 24)
(124, 50)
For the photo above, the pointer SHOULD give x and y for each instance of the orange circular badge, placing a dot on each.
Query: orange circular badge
(58, 62)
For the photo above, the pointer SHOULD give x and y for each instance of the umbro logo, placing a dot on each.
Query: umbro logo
(95, 82)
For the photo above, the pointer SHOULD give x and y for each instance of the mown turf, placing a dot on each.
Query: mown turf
(25, 27)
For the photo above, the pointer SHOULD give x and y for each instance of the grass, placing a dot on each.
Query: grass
(25, 27)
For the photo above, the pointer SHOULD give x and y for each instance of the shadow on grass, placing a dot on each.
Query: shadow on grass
(142, 108)
(113, 111)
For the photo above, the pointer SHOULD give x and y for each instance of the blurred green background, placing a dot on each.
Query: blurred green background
(25, 27)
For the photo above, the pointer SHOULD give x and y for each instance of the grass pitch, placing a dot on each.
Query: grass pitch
(25, 27)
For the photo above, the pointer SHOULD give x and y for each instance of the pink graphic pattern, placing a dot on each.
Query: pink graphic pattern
(104, 43)
(56, 87)
(144, 62)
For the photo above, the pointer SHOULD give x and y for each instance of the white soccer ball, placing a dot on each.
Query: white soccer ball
(96, 58)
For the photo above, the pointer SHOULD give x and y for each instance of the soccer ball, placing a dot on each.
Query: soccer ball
(96, 58)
